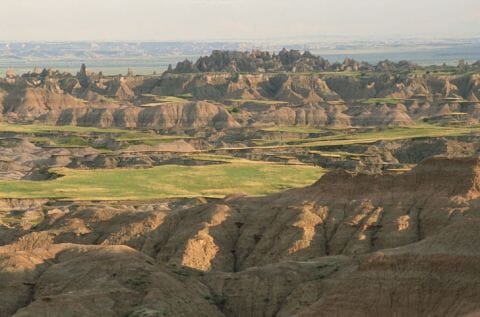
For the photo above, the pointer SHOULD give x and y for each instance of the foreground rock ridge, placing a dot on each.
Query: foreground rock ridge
(351, 244)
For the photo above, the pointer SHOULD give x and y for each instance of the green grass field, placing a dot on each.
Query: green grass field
(41, 129)
(259, 101)
(342, 74)
(160, 101)
(339, 154)
(75, 136)
(252, 178)
(44, 128)
(294, 129)
(418, 131)
(388, 101)
(389, 134)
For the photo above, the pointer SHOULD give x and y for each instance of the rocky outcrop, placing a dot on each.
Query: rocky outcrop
(294, 89)
(298, 89)
(121, 281)
(26, 103)
(347, 245)
(340, 214)
(197, 115)
(383, 115)
(255, 61)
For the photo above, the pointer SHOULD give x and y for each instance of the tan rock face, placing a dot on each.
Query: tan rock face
(108, 281)
(18, 273)
(203, 241)
(29, 103)
(170, 116)
(342, 214)
(201, 249)
(304, 95)
(361, 245)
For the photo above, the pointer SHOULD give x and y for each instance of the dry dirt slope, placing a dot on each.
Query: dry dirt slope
(404, 245)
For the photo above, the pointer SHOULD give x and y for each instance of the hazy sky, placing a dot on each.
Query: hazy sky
(233, 19)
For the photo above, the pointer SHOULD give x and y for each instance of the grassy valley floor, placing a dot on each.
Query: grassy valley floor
(167, 181)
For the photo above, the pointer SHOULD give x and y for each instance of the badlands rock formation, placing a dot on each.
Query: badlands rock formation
(390, 230)
(231, 89)
(361, 245)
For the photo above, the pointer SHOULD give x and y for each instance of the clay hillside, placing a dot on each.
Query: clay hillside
(242, 184)
(347, 245)
(236, 89)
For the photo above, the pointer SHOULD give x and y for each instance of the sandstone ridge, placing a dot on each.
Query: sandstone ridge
(350, 244)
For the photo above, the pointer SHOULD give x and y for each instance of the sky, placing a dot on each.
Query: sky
(207, 20)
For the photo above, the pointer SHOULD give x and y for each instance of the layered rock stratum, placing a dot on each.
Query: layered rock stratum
(237, 89)
(350, 244)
